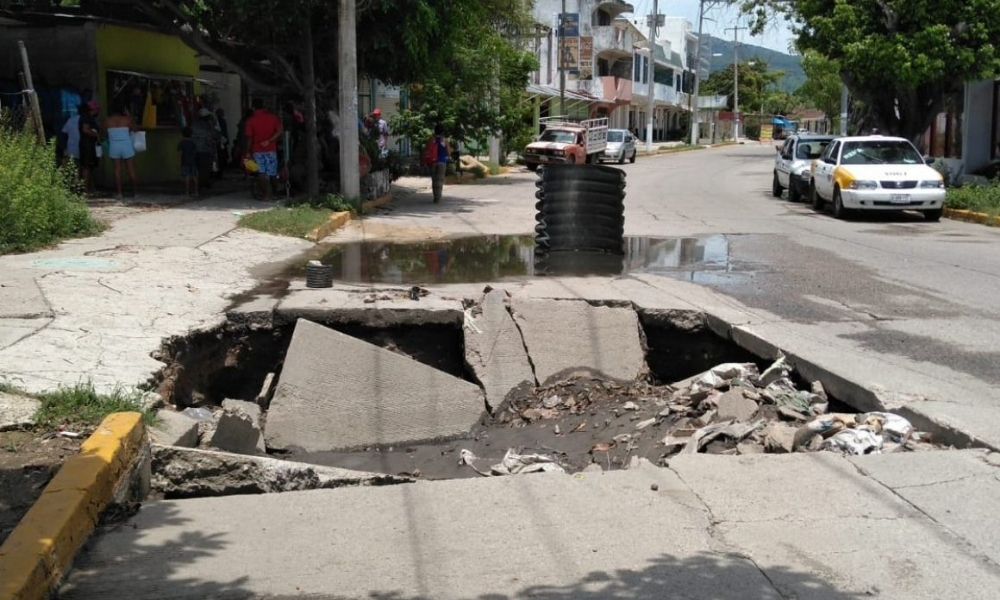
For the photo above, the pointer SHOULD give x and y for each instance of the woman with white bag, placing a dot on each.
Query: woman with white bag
(119, 127)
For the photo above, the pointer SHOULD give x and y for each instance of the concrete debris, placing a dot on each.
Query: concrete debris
(721, 376)
(778, 370)
(779, 438)
(189, 472)
(495, 351)
(16, 411)
(198, 413)
(266, 388)
(568, 338)
(733, 405)
(337, 392)
(174, 428)
(238, 429)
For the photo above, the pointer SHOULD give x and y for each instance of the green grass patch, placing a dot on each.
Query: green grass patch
(295, 221)
(82, 405)
(41, 203)
(977, 198)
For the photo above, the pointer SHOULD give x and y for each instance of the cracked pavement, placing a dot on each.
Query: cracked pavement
(96, 309)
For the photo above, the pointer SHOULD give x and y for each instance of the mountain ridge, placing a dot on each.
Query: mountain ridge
(789, 64)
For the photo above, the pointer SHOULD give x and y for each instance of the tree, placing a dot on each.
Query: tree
(755, 79)
(902, 58)
(822, 86)
(478, 90)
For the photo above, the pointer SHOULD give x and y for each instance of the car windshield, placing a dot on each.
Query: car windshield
(811, 149)
(879, 152)
(616, 136)
(558, 136)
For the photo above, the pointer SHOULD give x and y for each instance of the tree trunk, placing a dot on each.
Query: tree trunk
(309, 93)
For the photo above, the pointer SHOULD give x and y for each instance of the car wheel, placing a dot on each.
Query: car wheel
(814, 197)
(776, 188)
(933, 215)
(839, 212)
(621, 159)
(532, 166)
(794, 195)
(634, 153)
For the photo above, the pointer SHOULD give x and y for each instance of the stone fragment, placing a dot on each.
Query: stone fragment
(17, 411)
(495, 351)
(779, 438)
(238, 429)
(733, 405)
(173, 428)
(186, 472)
(338, 392)
(568, 338)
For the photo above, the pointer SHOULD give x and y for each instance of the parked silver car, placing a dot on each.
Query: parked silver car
(793, 163)
(621, 146)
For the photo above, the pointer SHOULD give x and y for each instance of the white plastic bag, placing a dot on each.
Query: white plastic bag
(139, 141)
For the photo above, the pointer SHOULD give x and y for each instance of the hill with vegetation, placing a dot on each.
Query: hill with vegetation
(788, 64)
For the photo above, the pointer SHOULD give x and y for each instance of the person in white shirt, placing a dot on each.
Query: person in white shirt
(71, 129)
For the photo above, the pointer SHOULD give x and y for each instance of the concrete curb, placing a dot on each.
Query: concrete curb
(42, 547)
(336, 221)
(972, 217)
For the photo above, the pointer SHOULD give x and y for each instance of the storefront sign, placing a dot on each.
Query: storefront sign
(586, 58)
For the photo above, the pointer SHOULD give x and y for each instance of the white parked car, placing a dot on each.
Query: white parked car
(875, 173)
(793, 164)
(621, 146)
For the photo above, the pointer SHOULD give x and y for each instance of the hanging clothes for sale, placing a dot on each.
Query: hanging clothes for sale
(149, 113)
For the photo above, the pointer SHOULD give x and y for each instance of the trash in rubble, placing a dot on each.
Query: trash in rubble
(630, 406)
(199, 413)
(416, 292)
(778, 370)
(892, 426)
(518, 464)
(468, 458)
(855, 441)
(722, 375)
(644, 424)
(705, 435)
(551, 402)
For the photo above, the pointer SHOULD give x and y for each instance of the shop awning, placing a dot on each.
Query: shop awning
(549, 91)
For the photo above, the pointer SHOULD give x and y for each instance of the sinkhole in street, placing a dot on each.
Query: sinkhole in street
(685, 402)
(492, 258)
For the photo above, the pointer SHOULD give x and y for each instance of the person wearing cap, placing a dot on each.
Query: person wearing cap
(382, 131)
(205, 135)
(263, 129)
(90, 138)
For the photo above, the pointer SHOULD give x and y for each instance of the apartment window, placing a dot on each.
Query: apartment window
(663, 76)
(641, 70)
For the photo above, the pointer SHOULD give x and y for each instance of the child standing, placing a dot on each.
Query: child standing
(189, 162)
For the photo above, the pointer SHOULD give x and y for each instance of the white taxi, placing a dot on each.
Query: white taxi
(875, 173)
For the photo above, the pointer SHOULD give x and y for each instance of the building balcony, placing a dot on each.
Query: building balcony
(612, 42)
(663, 94)
(611, 90)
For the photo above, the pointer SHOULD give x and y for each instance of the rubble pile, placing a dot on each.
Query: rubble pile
(732, 408)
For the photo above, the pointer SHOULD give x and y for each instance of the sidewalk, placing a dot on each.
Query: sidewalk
(96, 308)
(815, 526)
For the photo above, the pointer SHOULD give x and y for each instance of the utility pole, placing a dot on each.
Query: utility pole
(36, 111)
(844, 99)
(560, 62)
(695, 112)
(736, 80)
(350, 173)
(651, 106)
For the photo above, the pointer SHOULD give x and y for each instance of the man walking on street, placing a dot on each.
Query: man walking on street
(381, 132)
(436, 156)
(263, 129)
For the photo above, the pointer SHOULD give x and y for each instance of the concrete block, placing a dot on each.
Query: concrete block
(566, 338)
(339, 392)
(495, 351)
(188, 472)
(238, 429)
(734, 405)
(174, 429)
(17, 411)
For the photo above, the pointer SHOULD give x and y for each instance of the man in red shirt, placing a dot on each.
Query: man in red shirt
(263, 129)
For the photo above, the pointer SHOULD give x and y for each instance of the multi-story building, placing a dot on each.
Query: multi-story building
(607, 59)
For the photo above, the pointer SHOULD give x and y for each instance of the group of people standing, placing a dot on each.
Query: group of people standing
(82, 140)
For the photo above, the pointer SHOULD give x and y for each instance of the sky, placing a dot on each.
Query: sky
(777, 37)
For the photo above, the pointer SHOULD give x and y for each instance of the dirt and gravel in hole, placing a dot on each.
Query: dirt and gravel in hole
(731, 409)
(28, 460)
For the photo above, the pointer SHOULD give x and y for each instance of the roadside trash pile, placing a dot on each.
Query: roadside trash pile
(730, 409)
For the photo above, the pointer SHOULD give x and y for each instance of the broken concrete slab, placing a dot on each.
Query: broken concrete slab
(779, 437)
(188, 472)
(238, 429)
(339, 392)
(565, 338)
(335, 305)
(733, 405)
(17, 411)
(174, 429)
(495, 351)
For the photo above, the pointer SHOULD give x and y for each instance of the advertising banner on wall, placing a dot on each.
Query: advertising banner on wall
(570, 52)
(586, 57)
(570, 25)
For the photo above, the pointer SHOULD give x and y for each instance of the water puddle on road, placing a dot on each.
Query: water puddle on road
(489, 258)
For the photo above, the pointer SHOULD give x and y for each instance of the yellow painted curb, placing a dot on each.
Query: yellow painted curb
(41, 548)
(971, 216)
(336, 221)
